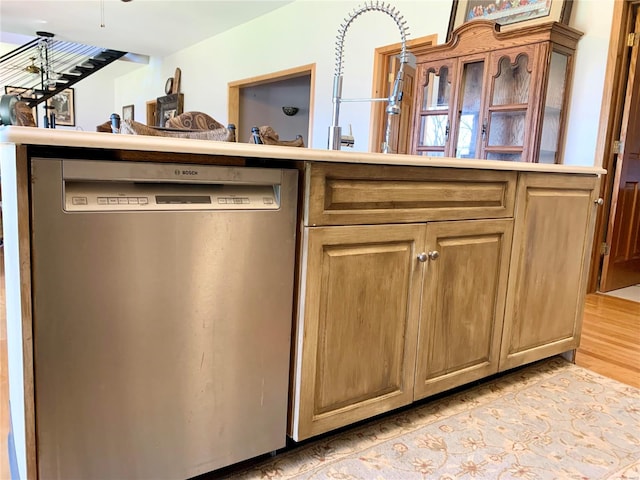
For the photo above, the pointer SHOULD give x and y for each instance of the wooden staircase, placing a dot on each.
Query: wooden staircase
(44, 67)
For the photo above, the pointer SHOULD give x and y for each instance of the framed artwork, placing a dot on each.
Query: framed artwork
(62, 104)
(127, 112)
(23, 93)
(168, 107)
(509, 13)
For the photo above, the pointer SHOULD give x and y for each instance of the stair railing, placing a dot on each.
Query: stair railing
(44, 67)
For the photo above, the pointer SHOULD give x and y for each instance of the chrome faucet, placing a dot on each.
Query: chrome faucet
(393, 106)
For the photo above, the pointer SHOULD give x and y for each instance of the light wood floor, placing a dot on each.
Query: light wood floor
(610, 342)
(610, 346)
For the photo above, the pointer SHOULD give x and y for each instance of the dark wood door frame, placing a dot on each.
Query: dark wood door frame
(613, 100)
(621, 262)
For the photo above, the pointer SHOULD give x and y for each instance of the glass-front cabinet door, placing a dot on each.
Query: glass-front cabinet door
(509, 114)
(433, 118)
(469, 125)
(553, 114)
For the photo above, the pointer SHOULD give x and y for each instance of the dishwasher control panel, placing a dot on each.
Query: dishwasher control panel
(81, 196)
(104, 186)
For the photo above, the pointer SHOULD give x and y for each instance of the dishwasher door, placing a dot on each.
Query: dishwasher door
(162, 311)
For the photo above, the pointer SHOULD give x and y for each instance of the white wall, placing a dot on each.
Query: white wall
(593, 17)
(297, 34)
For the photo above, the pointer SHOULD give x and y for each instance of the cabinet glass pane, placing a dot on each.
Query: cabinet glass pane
(437, 91)
(505, 157)
(512, 83)
(553, 108)
(470, 123)
(547, 157)
(506, 129)
(433, 130)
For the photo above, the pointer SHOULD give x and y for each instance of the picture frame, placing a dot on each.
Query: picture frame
(128, 112)
(508, 16)
(168, 107)
(23, 93)
(63, 106)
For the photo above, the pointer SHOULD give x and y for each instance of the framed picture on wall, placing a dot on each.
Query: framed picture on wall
(127, 112)
(23, 93)
(168, 107)
(509, 13)
(62, 104)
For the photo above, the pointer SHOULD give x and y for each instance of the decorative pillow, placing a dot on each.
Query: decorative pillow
(131, 127)
(193, 121)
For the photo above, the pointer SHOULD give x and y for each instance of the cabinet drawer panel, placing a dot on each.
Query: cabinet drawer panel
(368, 194)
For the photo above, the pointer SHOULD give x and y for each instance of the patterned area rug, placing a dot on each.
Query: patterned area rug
(551, 420)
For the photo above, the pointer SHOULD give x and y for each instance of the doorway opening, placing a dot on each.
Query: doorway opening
(385, 65)
(258, 101)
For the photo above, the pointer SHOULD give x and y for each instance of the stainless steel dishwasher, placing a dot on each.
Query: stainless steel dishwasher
(162, 297)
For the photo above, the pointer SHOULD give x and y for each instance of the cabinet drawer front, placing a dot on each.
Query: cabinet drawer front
(368, 194)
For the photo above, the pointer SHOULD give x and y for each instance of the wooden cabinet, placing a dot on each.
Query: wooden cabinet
(373, 297)
(414, 281)
(463, 303)
(495, 95)
(549, 266)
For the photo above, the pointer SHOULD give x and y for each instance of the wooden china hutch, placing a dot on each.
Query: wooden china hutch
(495, 95)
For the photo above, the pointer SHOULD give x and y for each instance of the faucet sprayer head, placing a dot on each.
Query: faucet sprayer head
(393, 108)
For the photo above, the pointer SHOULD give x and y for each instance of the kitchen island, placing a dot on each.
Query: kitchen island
(414, 275)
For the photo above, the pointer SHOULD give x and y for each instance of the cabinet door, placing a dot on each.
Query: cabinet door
(554, 222)
(555, 104)
(510, 107)
(355, 353)
(469, 123)
(433, 115)
(462, 304)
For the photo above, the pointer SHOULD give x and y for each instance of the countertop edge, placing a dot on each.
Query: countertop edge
(81, 139)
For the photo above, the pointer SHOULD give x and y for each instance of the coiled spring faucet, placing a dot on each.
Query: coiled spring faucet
(393, 107)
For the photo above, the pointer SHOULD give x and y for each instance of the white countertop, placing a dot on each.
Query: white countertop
(99, 140)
